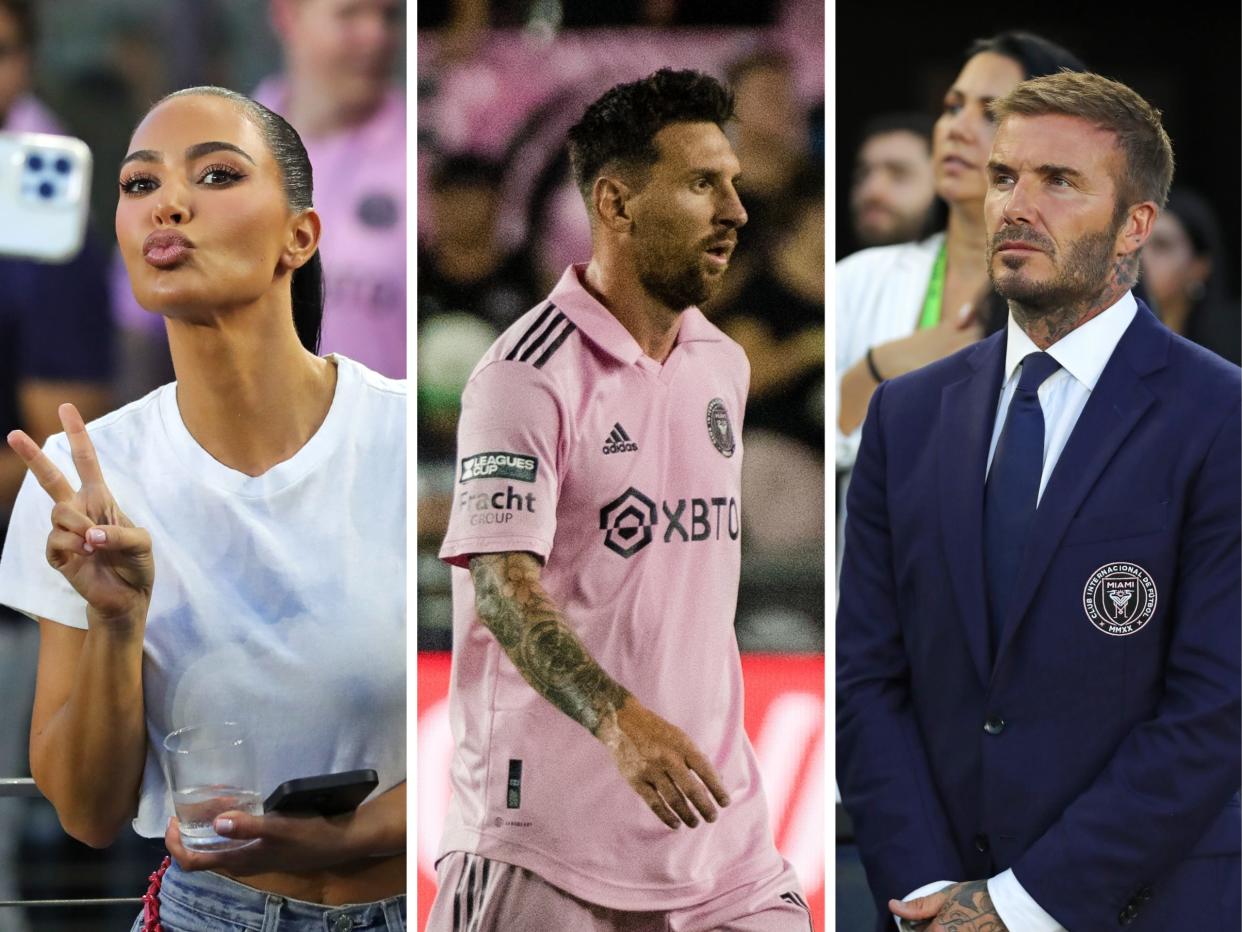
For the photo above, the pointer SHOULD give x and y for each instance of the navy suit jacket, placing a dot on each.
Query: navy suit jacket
(1102, 767)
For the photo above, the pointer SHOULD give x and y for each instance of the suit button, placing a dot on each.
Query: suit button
(981, 843)
(1144, 893)
(1128, 915)
(994, 725)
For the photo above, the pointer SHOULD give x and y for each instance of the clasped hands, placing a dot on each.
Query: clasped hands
(962, 907)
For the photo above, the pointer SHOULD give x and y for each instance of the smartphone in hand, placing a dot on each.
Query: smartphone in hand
(45, 186)
(328, 794)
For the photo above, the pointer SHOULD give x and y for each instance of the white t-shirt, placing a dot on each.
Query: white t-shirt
(279, 599)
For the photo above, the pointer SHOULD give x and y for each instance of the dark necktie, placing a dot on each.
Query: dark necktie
(1013, 486)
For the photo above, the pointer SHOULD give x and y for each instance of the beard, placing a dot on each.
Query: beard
(1080, 276)
(896, 227)
(676, 276)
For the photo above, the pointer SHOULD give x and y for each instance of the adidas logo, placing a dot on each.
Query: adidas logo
(795, 900)
(619, 441)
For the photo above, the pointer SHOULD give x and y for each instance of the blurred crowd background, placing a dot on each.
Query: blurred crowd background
(499, 85)
(91, 68)
(894, 127)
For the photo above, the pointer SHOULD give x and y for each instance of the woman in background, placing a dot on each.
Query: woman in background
(1186, 275)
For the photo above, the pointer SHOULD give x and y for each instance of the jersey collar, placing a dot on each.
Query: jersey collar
(598, 324)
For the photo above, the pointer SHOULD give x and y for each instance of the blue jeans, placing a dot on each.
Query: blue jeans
(201, 901)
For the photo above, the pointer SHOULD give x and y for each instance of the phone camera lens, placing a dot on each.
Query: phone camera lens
(35, 163)
(63, 165)
(46, 189)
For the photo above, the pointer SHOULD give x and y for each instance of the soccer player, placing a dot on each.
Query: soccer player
(602, 778)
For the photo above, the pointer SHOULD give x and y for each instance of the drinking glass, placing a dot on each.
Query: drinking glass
(210, 771)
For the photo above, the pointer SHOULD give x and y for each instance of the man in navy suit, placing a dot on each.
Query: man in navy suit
(1038, 642)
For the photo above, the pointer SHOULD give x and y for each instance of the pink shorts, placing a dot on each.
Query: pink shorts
(480, 895)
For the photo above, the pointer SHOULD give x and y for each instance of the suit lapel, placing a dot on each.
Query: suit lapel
(1116, 404)
(967, 413)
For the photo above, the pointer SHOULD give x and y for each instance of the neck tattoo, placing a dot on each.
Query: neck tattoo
(1047, 325)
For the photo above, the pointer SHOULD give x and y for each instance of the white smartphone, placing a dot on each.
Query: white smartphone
(45, 184)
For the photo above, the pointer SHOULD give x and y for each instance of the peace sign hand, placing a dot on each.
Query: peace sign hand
(93, 545)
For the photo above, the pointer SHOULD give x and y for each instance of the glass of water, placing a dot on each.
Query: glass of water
(210, 771)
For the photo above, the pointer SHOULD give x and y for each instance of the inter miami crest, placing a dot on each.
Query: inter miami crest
(718, 427)
(1119, 598)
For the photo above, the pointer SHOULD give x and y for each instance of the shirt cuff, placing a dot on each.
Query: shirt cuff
(1017, 910)
(926, 890)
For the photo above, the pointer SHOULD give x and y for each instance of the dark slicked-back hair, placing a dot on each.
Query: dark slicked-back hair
(618, 130)
(1037, 56)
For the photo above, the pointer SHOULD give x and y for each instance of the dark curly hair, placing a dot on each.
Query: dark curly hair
(619, 129)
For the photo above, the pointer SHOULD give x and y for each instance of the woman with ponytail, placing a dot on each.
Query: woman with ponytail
(228, 548)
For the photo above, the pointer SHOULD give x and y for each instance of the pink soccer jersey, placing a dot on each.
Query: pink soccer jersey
(623, 475)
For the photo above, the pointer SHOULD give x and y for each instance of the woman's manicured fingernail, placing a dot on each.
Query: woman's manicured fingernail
(224, 826)
(96, 535)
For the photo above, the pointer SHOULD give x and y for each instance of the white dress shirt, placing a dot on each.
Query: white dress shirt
(1083, 353)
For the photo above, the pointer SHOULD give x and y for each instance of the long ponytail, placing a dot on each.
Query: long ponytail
(306, 289)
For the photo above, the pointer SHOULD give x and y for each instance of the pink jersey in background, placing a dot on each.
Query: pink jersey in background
(29, 115)
(360, 194)
(624, 475)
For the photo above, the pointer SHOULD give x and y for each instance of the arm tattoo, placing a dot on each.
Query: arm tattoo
(513, 605)
(969, 909)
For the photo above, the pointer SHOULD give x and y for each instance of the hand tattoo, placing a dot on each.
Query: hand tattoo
(513, 605)
(969, 909)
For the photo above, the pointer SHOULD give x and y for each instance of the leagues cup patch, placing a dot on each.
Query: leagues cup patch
(718, 427)
(499, 465)
(1119, 598)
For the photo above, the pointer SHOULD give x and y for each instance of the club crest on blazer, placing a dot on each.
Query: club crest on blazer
(1119, 598)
